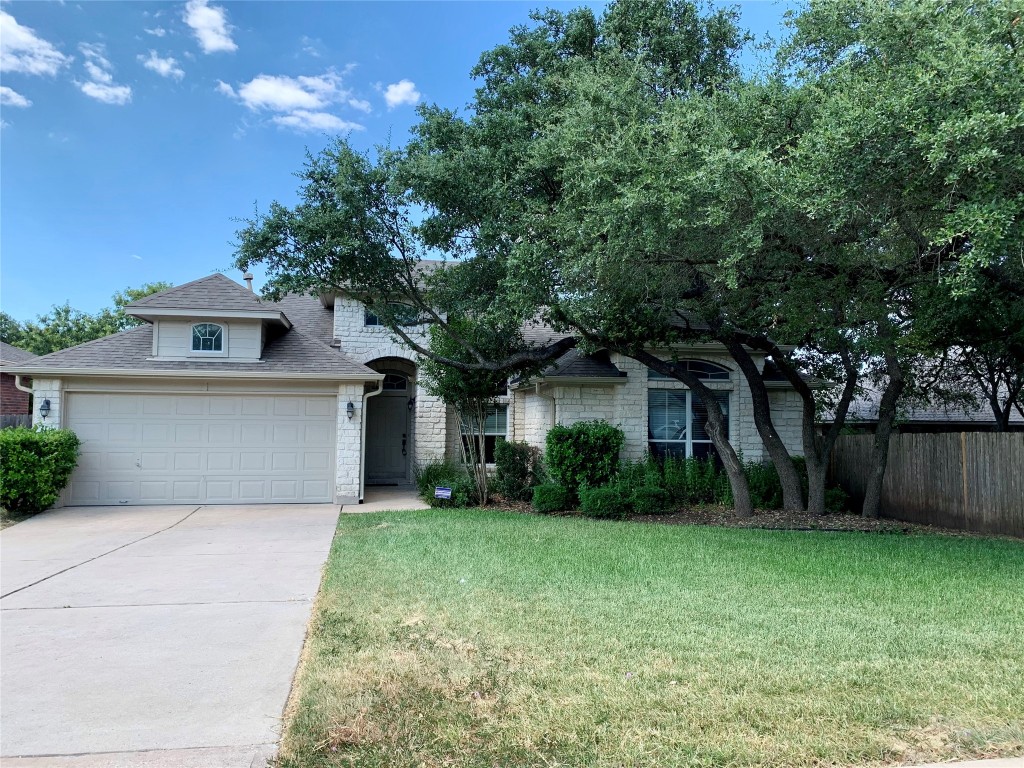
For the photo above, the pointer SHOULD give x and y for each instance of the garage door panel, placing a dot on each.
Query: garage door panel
(167, 449)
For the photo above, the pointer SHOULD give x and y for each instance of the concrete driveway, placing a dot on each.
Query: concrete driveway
(154, 636)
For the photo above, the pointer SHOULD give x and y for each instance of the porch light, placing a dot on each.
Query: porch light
(412, 404)
(44, 408)
(350, 409)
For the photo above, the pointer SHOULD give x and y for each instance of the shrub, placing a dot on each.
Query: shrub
(35, 465)
(606, 502)
(517, 469)
(765, 486)
(650, 500)
(584, 455)
(446, 475)
(836, 500)
(551, 497)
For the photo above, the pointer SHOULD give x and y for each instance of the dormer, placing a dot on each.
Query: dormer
(213, 319)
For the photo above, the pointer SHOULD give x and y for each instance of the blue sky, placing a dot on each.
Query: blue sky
(134, 133)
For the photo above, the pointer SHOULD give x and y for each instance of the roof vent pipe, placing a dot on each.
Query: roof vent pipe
(248, 280)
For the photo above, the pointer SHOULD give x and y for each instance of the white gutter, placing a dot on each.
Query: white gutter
(19, 385)
(362, 448)
(192, 373)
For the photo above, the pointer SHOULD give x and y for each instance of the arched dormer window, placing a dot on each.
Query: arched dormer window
(207, 337)
(701, 368)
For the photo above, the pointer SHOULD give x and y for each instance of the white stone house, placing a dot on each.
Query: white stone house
(220, 397)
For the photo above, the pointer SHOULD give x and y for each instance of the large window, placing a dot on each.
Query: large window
(495, 426)
(677, 423)
(207, 337)
(404, 313)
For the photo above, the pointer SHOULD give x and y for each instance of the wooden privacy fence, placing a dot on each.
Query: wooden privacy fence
(973, 481)
(15, 420)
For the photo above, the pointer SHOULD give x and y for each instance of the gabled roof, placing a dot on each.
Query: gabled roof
(12, 354)
(574, 364)
(128, 353)
(215, 292)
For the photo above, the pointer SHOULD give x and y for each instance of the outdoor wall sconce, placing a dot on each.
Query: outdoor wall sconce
(350, 409)
(412, 404)
(44, 408)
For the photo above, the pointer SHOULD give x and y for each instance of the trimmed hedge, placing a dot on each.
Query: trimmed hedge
(650, 500)
(35, 466)
(518, 469)
(606, 502)
(443, 474)
(584, 455)
(551, 497)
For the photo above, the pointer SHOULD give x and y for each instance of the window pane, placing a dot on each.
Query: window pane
(703, 370)
(700, 416)
(666, 414)
(207, 337)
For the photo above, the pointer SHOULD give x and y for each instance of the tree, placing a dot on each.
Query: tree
(65, 327)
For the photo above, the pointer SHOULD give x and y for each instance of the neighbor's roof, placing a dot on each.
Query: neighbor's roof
(215, 292)
(130, 351)
(864, 408)
(12, 354)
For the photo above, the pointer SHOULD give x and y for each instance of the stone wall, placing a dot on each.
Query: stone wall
(348, 478)
(52, 390)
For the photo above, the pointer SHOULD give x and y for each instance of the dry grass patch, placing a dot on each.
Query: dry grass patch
(481, 639)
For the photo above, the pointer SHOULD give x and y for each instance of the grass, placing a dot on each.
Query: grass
(476, 638)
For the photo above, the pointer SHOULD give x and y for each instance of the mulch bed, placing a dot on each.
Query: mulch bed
(768, 519)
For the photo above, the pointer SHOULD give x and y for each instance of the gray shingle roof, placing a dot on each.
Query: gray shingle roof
(310, 315)
(864, 408)
(208, 293)
(129, 351)
(577, 365)
(12, 354)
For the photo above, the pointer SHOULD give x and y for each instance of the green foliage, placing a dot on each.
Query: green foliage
(551, 497)
(836, 500)
(66, 327)
(35, 465)
(604, 502)
(650, 500)
(518, 468)
(584, 455)
(443, 474)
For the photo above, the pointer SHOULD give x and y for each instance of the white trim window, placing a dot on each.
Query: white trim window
(207, 337)
(495, 427)
(677, 423)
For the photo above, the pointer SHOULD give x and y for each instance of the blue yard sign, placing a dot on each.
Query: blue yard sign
(442, 493)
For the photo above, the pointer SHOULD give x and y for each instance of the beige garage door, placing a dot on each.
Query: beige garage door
(209, 449)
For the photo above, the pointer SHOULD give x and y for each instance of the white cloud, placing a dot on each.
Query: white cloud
(301, 103)
(21, 50)
(11, 98)
(304, 120)
(156, 31)
(4, 124)
(402, 92)
(136, 256)
(210, 26)
(361, 104)
(101, 85)
(164, 67)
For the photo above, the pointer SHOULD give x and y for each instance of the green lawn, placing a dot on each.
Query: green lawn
(477, 638)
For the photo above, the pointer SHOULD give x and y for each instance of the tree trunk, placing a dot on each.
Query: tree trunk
(880, 449)
(716, 427)
(792, 492)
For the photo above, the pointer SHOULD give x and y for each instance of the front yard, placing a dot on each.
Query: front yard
(482, 638)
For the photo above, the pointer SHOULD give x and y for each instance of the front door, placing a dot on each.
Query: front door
(387, 439)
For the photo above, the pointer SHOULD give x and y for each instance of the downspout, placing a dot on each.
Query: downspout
(362, 449)
(554, 403)
(19, 385)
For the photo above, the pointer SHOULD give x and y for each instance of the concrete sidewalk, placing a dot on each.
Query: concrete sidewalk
(147, 636)
(388, 498)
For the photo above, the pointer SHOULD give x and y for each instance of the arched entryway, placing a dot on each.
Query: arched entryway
(389, 423)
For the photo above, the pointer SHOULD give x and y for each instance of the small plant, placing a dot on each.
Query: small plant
(518, 469)
(585, 454)
(607, 502)
(650, 500)
(836, 500)
(443, 474)
(35, 465)
(551, 497)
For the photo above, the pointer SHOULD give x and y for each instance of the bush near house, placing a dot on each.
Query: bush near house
(444, 474)
(35, 465)
(604, 502)
(583, 455)
(518, 468)
(551, 497)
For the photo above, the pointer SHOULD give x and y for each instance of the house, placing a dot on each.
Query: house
(222, 397)
(919, 417)
(15, 403)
